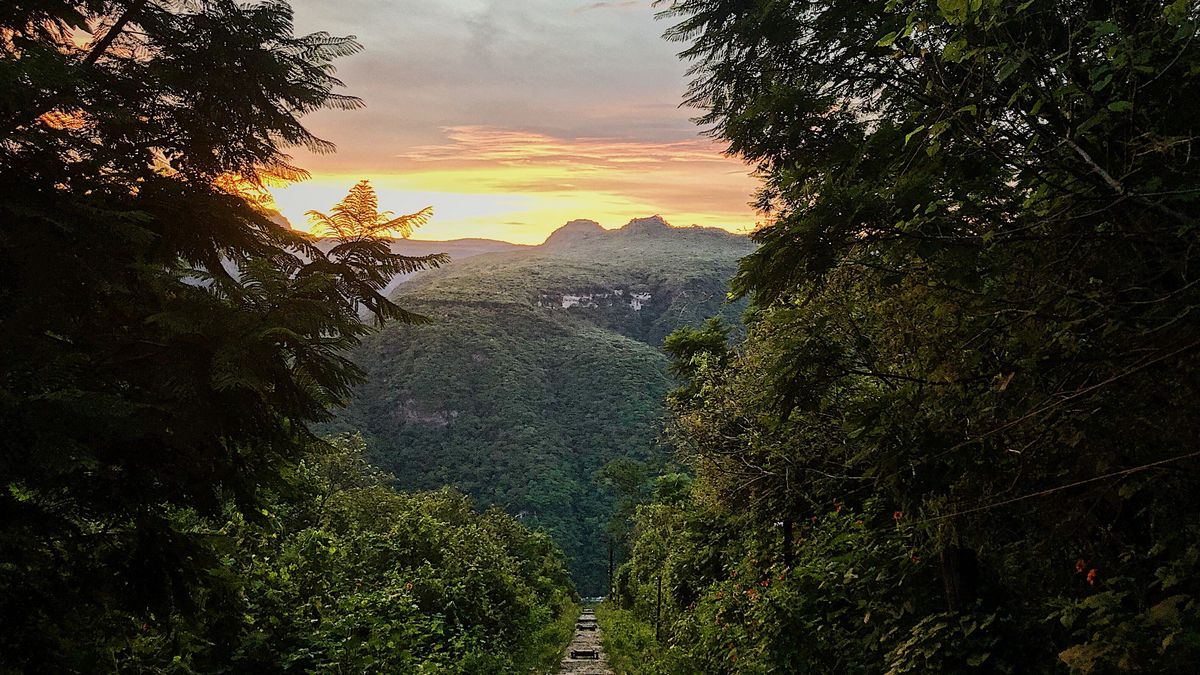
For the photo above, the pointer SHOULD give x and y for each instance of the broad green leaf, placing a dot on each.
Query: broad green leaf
(955, 11)
(954, 51)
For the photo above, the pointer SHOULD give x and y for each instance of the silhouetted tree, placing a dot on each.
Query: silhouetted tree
(974, 328)
(165, 343)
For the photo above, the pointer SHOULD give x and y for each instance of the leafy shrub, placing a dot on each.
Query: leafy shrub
(347, 575)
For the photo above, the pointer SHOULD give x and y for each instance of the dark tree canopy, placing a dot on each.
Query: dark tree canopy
(166, 343)
(974, 318)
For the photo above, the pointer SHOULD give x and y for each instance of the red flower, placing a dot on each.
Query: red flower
(1091, 577)
(1080, 566)
(897, 515)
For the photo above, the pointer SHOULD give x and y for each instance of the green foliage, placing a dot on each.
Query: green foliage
(166, 344)
(973, 309)
(855, 591)
(547, 645)
(1117, 629)
(519, 402)
(693, 351)
(628, 644)
(344, 574)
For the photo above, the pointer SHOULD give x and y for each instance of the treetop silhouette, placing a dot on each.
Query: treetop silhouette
(357, 216)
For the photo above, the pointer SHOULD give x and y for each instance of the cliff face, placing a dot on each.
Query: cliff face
(609, 298)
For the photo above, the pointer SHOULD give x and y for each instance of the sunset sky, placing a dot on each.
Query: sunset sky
(511, 118)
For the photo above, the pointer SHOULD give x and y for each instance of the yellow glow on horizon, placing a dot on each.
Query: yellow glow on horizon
(520, 187)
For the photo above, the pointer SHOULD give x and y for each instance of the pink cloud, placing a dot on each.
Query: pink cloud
(507, 146)
(689, 175)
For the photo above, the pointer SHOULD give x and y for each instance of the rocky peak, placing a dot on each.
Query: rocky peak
(646, 226)
(574, 231)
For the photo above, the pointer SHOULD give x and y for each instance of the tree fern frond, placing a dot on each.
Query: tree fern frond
(404, 225)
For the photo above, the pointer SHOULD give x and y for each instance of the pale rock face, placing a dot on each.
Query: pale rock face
(411, 412)
(566, 301)
(569, 301)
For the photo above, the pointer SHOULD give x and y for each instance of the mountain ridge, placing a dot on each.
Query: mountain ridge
(542, 365)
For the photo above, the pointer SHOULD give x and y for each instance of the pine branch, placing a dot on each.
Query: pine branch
(113, 33)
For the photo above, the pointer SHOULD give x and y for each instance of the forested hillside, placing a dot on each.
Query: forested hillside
(456, 249)
(540, 367)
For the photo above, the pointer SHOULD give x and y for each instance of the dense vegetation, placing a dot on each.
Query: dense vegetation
(341, 573)
(961, 432)
(167, 347)
(519, 402)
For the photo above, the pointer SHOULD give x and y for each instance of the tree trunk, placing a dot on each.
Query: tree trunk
(787, 544)
(960, 575)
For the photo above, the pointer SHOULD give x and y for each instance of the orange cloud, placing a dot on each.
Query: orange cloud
(487, 144)
(520, 185)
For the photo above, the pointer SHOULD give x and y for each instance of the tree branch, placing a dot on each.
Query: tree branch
(112, 34)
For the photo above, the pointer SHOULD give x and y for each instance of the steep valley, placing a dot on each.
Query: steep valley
(540, 366)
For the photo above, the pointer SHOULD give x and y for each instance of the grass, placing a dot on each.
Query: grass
(551, 642)
(627, 641)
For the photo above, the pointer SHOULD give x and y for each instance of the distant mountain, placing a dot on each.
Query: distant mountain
(280, 219)
(573, 232)
(543, 364)
(458, 249)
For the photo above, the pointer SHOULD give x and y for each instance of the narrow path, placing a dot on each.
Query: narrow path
(584, 656)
